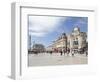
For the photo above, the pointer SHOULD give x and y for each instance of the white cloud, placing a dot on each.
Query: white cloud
(41, 25)
(82, 21)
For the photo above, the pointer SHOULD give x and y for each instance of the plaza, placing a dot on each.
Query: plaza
(66, 45)
(47, 59)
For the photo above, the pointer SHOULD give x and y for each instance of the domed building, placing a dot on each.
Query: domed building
(77, 40)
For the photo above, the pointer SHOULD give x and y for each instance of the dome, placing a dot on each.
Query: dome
(76, 29)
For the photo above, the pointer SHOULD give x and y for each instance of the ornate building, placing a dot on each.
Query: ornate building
(77, 39)
(59, 44)
(74, 41)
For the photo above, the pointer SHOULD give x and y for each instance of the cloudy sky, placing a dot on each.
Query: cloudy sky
(45, 29)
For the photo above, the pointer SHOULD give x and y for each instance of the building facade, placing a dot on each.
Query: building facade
(75, 41)
(38, 48)
(61, 43)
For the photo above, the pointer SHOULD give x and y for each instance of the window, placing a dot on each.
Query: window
(75, 43)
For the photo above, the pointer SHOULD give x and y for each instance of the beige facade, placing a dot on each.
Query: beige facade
(76, 40)
(59, 44)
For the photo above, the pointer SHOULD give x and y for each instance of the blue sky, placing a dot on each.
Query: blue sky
(45, 29)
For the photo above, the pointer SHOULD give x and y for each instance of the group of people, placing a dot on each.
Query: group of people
(72, 52)
(63, 52)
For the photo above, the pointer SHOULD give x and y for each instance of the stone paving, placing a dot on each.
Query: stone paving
(47, 59)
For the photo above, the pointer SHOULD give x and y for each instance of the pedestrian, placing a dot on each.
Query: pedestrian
(86, 53)
(64, 52)
(51, 52)
(61, 53)
(72, 53)
(68, 51)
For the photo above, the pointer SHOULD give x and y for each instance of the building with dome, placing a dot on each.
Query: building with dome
(76, 40)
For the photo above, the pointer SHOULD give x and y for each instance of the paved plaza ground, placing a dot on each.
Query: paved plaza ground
(47, 59)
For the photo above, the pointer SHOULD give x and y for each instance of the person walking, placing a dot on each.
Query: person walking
(64, 52)
(68, 51)
(50, 52)
(72, 52)
(86, 53)
(61, 52)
